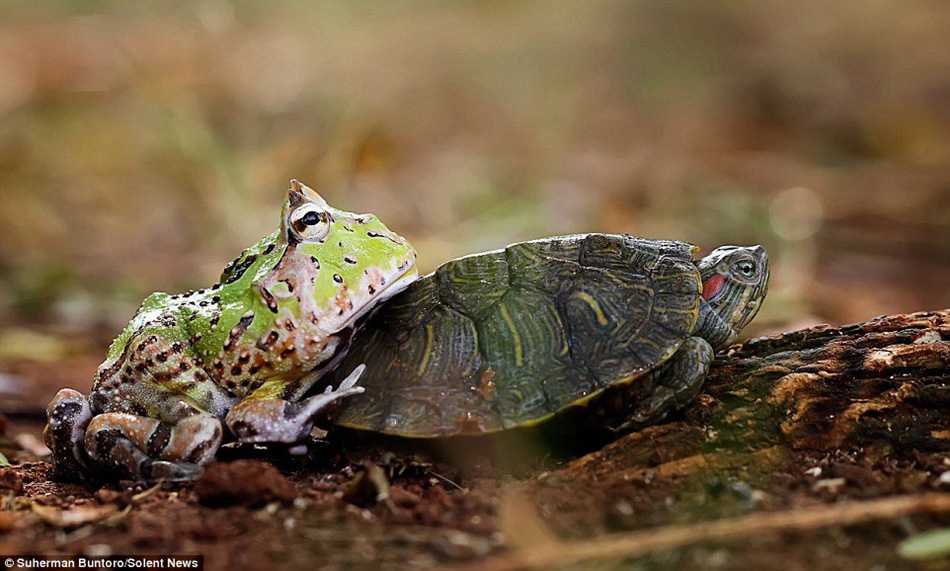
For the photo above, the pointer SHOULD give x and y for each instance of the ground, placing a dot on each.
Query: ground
(142, 145)
(726, 484)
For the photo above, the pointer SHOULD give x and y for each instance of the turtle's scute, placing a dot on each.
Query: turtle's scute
(510, 337)
(471, 285)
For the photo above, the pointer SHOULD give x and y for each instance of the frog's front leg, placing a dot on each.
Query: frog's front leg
(68, 415)
(144, 448)
(262, 417)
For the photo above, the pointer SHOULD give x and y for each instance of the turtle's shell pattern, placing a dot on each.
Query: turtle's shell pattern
(510, 337)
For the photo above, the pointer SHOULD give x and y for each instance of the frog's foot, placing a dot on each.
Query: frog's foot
(676, 384)
(67, 415)
(143, 448)
(257, 419)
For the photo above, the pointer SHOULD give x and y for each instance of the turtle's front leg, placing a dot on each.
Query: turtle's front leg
(263, 417)
(675, 384)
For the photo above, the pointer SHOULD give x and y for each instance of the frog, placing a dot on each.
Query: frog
(238, 361)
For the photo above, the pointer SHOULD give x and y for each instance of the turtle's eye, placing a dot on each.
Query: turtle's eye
(308, 222)
(745, 268)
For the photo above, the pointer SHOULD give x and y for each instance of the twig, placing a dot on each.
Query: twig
(444, 479)
(642, 542)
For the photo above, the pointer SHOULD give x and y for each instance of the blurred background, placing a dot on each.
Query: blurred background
(143, 145)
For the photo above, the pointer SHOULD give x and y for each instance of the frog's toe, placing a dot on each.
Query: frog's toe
(298, 449)
(195, 439)
(154, 470)
(321, 405)
(68, 414)
(128, 461)
(348, 385)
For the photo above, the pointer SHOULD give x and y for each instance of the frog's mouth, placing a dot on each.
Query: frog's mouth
(355, 322)
(380, 293)
(397, 285)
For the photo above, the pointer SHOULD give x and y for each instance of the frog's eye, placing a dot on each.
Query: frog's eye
(310, 223)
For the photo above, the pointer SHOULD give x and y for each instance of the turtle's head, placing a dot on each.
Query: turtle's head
(735, 281)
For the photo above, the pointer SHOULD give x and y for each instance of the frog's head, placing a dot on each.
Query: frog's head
(336, 265)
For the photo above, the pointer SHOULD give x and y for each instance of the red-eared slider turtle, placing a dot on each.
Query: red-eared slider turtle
(513, 337)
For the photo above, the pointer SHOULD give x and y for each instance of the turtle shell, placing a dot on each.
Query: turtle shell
(512, 337)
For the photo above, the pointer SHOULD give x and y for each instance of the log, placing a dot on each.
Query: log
(884, 383)
(880, 387)
(827, 420)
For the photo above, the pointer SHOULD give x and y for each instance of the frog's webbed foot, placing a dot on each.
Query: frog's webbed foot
(262, 419)
(144, 448)
(68, 415)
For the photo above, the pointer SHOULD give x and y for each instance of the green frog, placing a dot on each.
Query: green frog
(235, 360)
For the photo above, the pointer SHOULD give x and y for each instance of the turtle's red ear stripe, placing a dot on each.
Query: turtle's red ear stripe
(713, 286)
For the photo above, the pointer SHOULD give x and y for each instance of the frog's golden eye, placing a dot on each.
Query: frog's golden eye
(310, 223)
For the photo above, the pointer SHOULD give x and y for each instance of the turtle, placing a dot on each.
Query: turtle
(619, 328)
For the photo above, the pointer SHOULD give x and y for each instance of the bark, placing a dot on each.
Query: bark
(879, 388)
(884, 383)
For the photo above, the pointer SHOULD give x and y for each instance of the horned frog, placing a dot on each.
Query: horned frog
(243, 352)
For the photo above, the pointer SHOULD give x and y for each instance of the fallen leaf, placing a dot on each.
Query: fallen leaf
(928, 545)
(74, 516)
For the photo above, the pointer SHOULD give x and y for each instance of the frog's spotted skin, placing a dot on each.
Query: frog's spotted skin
(244, 351)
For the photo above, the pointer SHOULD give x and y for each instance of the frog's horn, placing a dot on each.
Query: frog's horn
(300, 192)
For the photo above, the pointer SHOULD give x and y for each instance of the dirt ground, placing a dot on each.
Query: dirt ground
(247, 515)
(696, 492)
(143, 144)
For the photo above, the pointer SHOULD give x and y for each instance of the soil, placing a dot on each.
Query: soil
(724, 485)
